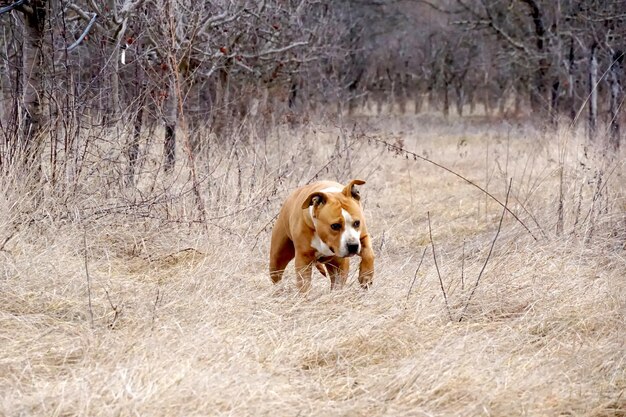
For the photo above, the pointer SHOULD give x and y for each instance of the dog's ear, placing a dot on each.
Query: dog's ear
(315, 199)
(350, 191)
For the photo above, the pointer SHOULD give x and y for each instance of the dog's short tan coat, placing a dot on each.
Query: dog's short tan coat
(322, 224)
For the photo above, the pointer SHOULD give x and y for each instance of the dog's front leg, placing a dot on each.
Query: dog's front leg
(366, 270)
(304, 267)
(338, 269)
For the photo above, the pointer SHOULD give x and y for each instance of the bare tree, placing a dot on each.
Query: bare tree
(593, 90)
(616, 99)
(34, 17)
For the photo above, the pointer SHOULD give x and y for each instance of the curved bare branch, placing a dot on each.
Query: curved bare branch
(12, 6)
(84, 34)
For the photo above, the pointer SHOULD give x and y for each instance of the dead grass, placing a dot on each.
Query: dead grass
(186, 321)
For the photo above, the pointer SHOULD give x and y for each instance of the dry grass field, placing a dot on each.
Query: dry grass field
(118, 301)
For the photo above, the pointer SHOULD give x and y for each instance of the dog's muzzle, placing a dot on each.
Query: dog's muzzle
(353, 248)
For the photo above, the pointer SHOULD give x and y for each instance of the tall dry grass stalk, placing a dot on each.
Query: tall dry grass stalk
(186, 321)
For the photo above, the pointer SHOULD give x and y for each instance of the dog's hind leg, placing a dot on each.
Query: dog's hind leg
(281, 252)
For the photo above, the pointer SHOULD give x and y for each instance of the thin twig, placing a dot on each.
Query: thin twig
(116, 310)
(8, 238)
(88, 278)
(533, 218)
(598, 192)
(443, 290)
(493, 242)
(415, 156)
(157, 300)
(415, 276)
(463, 267)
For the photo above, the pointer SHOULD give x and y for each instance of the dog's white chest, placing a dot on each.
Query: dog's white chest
(321, 248)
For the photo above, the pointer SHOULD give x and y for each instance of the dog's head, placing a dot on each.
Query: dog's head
(338, 218)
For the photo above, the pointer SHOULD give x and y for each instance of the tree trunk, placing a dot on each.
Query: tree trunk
(418, 101)
(593, 91)
(32, 53)
(120, 31)
(517, 101)
(471, 98)
(353, 92)
(487, 104)
(554, 102)
(115, 88)
(171, 117)
(460, 99)
(379, 89)
(571, 79)
(502, 103)
(616, 99)
(391, 98)
(538, 93)
(222, 105)
(402, 93)
(5, 90)
(446, 100)
(487, 96)
(133, 145)
(293, 94)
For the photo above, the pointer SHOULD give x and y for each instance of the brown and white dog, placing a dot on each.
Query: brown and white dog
(322, 224)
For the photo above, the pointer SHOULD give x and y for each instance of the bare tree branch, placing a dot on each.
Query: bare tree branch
(271, 51)
(13, 6)
(85, 32)
(84, 15)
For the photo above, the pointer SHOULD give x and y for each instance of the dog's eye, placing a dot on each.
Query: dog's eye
(356, 224)
(335, 226)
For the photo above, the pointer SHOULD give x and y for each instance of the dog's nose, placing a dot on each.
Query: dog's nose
(353, 248)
